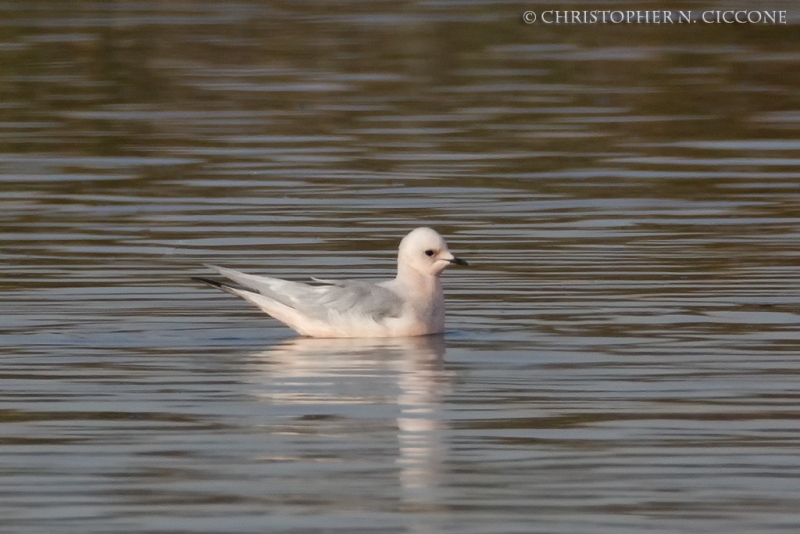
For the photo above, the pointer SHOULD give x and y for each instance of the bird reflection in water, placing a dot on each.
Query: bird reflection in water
(341, 385)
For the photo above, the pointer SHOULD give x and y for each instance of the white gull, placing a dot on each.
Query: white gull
(412, 304)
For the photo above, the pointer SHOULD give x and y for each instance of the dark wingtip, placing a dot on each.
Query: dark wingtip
(209, 281)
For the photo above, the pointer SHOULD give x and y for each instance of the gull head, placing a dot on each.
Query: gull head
(425, 251)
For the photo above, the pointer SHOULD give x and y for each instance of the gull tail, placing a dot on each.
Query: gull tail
(226, 287)
(280, 311)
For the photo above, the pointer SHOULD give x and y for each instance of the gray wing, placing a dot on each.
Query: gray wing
(335, 298)
(359, 298)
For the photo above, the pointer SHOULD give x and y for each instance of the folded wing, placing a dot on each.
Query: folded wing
(330, 302)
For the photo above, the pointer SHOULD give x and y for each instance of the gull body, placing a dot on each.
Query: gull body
(412, 304)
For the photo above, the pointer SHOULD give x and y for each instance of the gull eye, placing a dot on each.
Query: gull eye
(429, 252)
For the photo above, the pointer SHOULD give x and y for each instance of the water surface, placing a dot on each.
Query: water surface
(622, 357)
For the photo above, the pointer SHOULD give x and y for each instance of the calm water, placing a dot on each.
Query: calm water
(623, 358)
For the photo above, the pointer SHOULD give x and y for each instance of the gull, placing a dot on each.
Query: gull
(412, 304)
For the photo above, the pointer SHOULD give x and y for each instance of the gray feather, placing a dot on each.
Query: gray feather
(335, 298)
